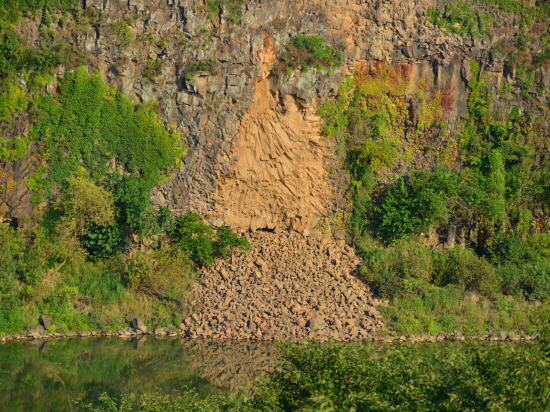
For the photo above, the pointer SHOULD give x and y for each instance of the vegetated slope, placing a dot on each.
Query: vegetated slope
(286, 287)
(443, 205)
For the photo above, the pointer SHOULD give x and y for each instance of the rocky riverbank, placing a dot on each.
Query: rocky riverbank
(162, 333)
(288, 287)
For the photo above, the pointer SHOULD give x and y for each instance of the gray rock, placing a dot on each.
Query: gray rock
(513, 336)
(35, 329)
(317, 324)
(130, 317)
(138, 324)
(45, 321)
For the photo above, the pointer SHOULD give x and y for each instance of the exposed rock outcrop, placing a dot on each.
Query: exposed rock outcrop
(255, 158)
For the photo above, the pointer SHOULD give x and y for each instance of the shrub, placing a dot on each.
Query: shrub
(82, 203)
(165, 273)
(530, 279)
(186, 401)
(191, 69)
(233, 8)
(152, 69)
(202, 243)
(311, 51)
(11, 320)
(105, 241)
(537, 279)
(59, 306)
(341, 377)
(405, 269)
(470, 272)
(411, 205)
(94, 126)
(460, 18)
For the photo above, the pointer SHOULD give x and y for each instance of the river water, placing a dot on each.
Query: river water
(40, 376)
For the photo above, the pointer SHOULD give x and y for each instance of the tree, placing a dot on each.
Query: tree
(83, 203)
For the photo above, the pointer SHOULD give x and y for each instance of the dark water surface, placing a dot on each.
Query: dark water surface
(41, 376)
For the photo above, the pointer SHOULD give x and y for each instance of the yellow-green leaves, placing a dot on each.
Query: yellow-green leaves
(82, 203)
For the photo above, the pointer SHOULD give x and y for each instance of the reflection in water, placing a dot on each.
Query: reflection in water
(47, 376)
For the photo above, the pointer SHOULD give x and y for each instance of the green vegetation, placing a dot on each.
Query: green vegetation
(123, 35)
(97, 127)
(202, 243)
(191, 69)
(357, 376)
(307, 51)
(18, 56)
(152, 69)
(232, 8)
(99, 247)
(460, 18)
(464, 17)
(478, 198)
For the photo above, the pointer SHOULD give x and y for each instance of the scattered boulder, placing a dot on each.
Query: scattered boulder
(138, 324)
(317, 324)
(45, 321)
(35, 331)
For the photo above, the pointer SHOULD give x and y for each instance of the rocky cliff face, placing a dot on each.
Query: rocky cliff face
(255, 151)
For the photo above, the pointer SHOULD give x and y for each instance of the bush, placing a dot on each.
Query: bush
(411, 205)
(186, 401)
(152, 69)
(470, 272)
(204, 245)
(311, 51)
(166, 273)
(405, 269)
(60, 307)
(96, 127)
(530, 279)
(11, 320)
(191, 69)
(356, 376)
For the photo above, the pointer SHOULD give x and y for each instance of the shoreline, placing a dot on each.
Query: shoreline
(130, 333)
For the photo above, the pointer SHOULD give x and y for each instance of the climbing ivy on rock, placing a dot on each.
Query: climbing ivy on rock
(95, 126)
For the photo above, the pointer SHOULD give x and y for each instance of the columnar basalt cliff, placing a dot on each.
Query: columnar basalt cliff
(255, 151)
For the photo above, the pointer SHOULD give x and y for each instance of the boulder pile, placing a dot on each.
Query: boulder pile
(286, 287)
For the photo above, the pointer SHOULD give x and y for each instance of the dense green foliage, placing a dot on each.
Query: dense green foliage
(18, 56)
(307, 51)
(97, 127)
(460, 18)
(202, 243)
(359, 377)
(55, 277)
(99, 154)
